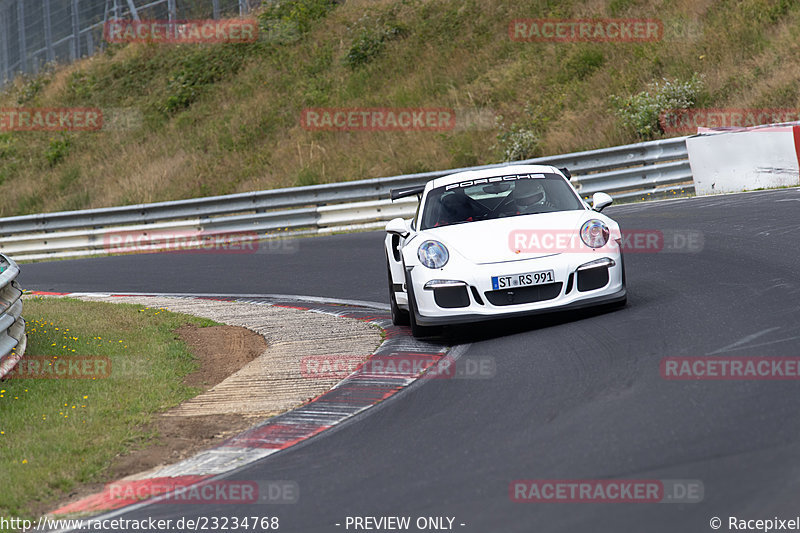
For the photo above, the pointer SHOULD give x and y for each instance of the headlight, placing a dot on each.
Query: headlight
(594, 233)
(433, 254)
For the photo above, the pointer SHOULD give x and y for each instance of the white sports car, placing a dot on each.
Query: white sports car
(500, 242)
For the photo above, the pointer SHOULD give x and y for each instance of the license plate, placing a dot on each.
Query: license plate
(523, 280)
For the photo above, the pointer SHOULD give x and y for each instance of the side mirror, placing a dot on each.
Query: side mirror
(600, 201)
(397, 226)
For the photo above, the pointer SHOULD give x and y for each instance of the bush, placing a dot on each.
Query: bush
(57, 150)
(307, 176)
(29, 203)
(580, 65)
(278, 31)
(641, 112)
(80, 87)
(8, 153)
(518, 144)
(199, 69)
(371, 40)
(7, 147)
(366, 46)
(33, 85)
(369, 44)
(521, 140)
(299, 14)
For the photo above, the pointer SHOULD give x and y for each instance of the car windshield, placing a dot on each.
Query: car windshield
(498, 197)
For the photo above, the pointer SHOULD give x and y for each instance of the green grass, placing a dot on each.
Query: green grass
(219, 119)
(58, 433)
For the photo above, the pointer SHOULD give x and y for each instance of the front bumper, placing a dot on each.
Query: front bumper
(467, 318)
(562, 295)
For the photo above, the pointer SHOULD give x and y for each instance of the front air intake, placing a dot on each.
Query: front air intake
(451, 297)
(524, 295)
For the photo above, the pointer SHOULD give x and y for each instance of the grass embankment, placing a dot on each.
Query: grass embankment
(226, 118)
(58, 433)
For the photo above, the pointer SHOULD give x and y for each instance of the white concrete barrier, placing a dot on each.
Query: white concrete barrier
(744, 159)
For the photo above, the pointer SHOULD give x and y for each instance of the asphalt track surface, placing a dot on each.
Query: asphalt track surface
(574, 397)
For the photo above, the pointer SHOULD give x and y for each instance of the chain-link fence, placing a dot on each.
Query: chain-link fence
(34, 33)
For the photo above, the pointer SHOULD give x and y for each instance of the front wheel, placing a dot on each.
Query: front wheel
(416, 329)
(399, 316)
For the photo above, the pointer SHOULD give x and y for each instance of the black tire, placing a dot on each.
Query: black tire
(622, 303)
(417, 330)
(399, 316)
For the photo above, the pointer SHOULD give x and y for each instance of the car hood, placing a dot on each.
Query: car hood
(493, 241)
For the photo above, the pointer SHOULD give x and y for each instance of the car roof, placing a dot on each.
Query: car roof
(508, 170)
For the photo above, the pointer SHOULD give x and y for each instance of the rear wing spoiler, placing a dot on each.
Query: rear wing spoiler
(403, 192)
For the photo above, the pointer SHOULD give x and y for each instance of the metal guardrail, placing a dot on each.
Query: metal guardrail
(12, 325)
(629, 172)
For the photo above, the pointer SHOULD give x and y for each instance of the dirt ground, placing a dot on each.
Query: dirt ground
(220, 352)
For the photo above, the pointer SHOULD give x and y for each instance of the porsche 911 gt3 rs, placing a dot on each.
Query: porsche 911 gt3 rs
(500, 242)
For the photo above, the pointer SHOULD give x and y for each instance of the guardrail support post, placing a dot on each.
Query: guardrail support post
(23, 45)
(132, 7)
(5, 75)
(48, 32)
(75, 52)
(89, 43)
